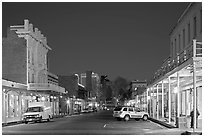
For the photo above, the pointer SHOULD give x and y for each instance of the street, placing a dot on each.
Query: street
(99, 123)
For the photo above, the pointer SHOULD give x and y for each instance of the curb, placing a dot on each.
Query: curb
(20, 122)
(191, 133)
(171, 127)
(11, 123)
(161, 123)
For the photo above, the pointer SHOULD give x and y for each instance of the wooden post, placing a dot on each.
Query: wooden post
(169, 99)
(157, 103)
(162, 99)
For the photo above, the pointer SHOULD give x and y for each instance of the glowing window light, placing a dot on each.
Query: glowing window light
(43, 98)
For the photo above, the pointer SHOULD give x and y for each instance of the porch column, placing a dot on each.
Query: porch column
(194, 85)
(147, 98)
(154, 103)
(157, 103)
(150, 102)
(178, 96)
(169, 79)
(162, 99)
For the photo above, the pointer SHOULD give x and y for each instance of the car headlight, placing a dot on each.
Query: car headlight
(37, 115)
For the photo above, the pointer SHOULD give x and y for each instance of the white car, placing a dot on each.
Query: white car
(37, 113)
(128, 113)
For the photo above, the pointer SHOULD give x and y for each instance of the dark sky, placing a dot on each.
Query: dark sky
(117, 39)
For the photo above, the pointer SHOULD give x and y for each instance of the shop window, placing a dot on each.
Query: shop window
(11, 106)
(6, 104)
(16, 102)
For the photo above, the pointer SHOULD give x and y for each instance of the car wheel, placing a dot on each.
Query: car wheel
(127, 118)
(40, 120)
(137, 119)
(26, 122)
(119, 119)
(48, 119)
(145, 117)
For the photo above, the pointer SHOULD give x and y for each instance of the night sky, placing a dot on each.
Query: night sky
(116, 39)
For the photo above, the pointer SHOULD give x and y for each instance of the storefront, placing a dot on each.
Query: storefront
(178, 91)
(16, 99)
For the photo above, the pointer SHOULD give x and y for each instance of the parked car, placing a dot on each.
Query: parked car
(128, 113)
(37, 112)
(95, 109)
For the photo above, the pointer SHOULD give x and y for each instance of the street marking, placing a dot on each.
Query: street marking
(146, 129)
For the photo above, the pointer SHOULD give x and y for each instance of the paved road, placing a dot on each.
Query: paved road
(100, 123)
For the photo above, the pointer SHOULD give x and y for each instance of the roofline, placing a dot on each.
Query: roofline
(181, 17)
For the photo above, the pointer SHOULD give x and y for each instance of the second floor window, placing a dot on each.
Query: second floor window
(184, 35)
(179, 43)
(189, 32)
(194, 27)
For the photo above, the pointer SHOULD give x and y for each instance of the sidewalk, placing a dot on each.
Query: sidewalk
(182, 131)
(20, 122)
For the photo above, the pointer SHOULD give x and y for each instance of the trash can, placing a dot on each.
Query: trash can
(181, 122)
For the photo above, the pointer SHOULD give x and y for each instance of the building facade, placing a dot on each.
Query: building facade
(176, 88)
(25, 63)
(91, 81)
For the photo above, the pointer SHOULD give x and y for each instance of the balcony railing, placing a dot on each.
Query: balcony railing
(193, 50)
(45, 86)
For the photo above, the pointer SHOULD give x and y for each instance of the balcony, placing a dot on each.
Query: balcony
(45, 86)
(192, 51)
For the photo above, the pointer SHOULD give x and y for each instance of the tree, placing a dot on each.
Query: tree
(108, 93)
(121, 89)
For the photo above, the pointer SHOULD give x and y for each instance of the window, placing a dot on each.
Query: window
(29, 77)
(194, 27)
(175, 45)
(179, 44)
(32, 58)
(184, 38)
(131, 109)
(28, 56)
(117, 108)
(124, 109)
(200, 20)
(189, 32)
(32, 80)
(172, 48)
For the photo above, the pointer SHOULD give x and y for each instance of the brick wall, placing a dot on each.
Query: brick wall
(14, 54)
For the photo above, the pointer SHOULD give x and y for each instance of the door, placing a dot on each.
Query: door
(131, 112)
(138, 113)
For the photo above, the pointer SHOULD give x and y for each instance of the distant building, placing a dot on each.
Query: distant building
(138, 92)
(91, 82)
(52, 78)
(70, 83)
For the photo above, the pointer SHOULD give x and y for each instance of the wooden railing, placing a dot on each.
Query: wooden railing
(193, 50)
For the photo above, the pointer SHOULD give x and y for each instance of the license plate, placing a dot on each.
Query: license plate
(30, 119)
